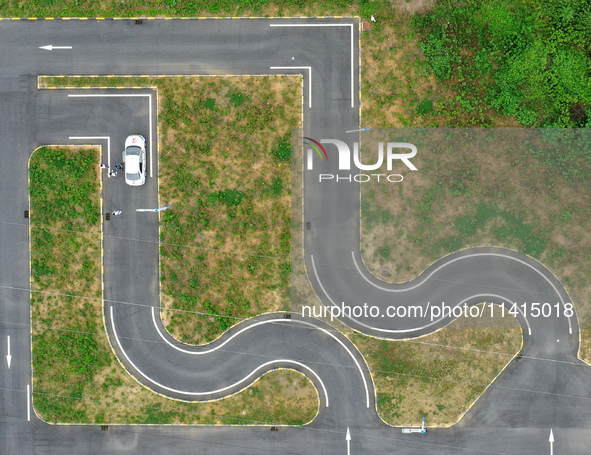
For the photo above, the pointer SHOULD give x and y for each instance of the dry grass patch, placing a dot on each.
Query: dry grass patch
(119, 399)
(440, 375)
(226, 171)
(479, 194)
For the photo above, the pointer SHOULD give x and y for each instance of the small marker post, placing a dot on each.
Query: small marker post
(161, 209)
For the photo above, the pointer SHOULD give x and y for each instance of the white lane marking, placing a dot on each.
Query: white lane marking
(51, 47)
(8, 356)
(309, 68)
(475, 296)
(352, 48)
(570, 328)
(99, 138)
(348, 439)
(218, 390)
(250, 326)
(28, 403)
(118, 95)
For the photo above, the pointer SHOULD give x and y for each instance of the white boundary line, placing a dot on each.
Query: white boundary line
(149, 95)
(415, 328)
(291, 321)
(102, 138)
(505, 256)
(352, 48)
(28, 403)
(218, 390)
(267, 322)
(309, 68)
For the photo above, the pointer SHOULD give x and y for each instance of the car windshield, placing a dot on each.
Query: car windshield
(130, 151)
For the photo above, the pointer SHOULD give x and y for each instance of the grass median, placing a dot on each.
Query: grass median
(76, 377)
(439, 376)
(526, 190)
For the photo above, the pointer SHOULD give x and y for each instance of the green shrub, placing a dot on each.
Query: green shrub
(450, 244)
(524, 59)
(466, 225)
(276, 187)
(426, 107)
(227, 197)
(237, 98)
(385, 252)
(210, 104)
(282, 150)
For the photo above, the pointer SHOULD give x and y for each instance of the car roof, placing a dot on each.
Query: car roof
(132, 164)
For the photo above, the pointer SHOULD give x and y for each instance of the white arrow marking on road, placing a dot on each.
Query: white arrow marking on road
(50, 47)
(551, 442)
(348, 438)
(8, 357)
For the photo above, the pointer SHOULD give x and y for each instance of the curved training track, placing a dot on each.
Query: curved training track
(549, 387)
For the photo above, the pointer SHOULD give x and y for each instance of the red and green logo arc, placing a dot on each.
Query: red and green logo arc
(316, 146)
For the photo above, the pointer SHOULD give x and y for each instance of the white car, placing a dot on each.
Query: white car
(134, 158)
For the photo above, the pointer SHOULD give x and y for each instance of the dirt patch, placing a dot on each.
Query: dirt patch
(413, 6)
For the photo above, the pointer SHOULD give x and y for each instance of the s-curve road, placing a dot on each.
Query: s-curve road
(547, 388)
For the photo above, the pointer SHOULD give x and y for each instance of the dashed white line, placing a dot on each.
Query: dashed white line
(28, 403)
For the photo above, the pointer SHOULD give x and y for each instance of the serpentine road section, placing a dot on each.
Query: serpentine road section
(547, 388)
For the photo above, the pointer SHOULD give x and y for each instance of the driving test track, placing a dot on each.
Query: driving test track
(548, 388)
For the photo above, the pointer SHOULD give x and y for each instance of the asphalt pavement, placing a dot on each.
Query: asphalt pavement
(547, 388)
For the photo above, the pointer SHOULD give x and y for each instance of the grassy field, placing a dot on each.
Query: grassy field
(398, 87)
(173, 8)
(483, 194)
(76, 376)
(438, 376)
(225, 157)
(225, 168)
